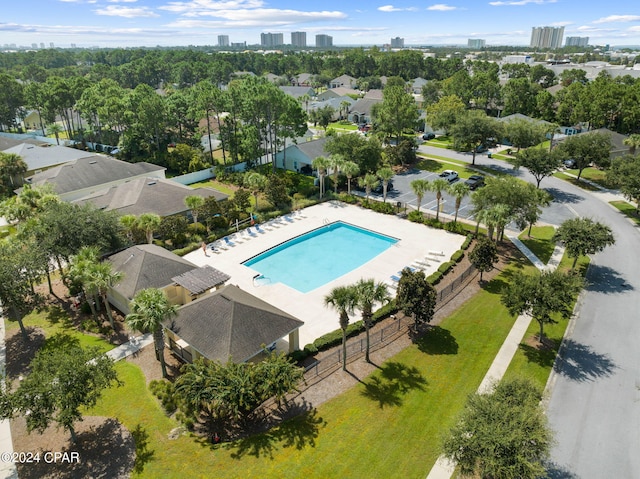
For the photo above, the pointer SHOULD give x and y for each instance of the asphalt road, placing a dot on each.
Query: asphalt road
(594, 393)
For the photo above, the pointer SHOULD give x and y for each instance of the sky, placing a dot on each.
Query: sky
(130, 23)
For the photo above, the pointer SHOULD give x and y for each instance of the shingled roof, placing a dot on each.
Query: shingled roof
(231, 324)
(147, 195)
(147, 266)
(90, 171)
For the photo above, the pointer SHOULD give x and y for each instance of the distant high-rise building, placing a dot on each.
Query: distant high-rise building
(324, 41)
(73, 45)
(299, 39)
(34, 45)
(223, 40)
(51, 45)
(238, 44)
(476, 43)
(41, 44)
(397, 42)
(271, 39)
(546, 37)
(577, 42)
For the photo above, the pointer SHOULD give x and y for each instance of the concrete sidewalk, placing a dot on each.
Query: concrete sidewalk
(130, 347)
(7, 470)
(443, 468)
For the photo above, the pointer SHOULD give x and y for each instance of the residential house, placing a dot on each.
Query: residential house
(43, 156)
(343, 81)
(230, 324)
(298, 91)
(299, 157)
(337, 92)
(86, 176)
(374, 94)
(361, 110)
(417, 84)
(147, 195)
(151, 266)
(339, 105)
(303, 79)
(277, 79)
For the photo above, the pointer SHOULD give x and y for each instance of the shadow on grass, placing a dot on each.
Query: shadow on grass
(541, 355)
(391, 382)
(437, 340)
(603, 279)
(298, 432)
(496, 285)
(581, 363)
(20, 352)
(542, 248)
(57, 315)
(143, 453)
(429, 165)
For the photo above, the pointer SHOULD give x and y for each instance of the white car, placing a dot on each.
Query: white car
(449, 175)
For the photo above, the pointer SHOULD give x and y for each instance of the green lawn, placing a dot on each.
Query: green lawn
(343, 126)
(217, 185)
(595, 175)
(412, 399)
(579, 183)
(540, 242)
(628, 209)
(435, 166)
(54, 320)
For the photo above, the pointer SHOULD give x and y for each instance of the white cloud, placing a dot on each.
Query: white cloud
(255, 18)
(122, 1)
(521, 2)
(391, 8)
(618, 18)
(72, 30)
(126, 12)
(441, 7)
(198, 6)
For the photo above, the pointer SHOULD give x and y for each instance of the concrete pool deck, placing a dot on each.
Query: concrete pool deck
(415, 241)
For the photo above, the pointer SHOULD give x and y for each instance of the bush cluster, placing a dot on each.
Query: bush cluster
(165, 392)
(467, 242)
(378, 207)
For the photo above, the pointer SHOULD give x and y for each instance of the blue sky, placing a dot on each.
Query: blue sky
(111, 23)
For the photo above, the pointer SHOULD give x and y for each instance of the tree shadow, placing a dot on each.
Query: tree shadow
(20, 352)
(57, 315)
(393, 381)
(143, 453)
(581, 363)
(105, 450)
(603, 279)
(560, 196)
(540, 354)
(437, 340)
(299, 432)
(495, 286)
(556, 471)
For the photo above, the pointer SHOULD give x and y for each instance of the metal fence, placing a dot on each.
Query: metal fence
(380, 337)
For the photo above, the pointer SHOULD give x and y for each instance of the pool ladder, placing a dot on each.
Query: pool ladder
(326, 221)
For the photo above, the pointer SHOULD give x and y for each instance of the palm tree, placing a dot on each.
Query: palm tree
(336, 162)
(342, 299)
(149, 308)
(419, 187)
(149, 222)
(367, 293)
(350, 169)
(12, 166)
(55, 129)
(495, 218)
(344, 108)
(80, 270)
(193, 202)
(458, 190)
(385, 174)
(438, 185)
(104, 278)
(128, 222)
(633, 142)
(321, 163)
(369, 182)
(255, 182)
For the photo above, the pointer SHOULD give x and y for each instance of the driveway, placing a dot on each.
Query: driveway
(594, 391)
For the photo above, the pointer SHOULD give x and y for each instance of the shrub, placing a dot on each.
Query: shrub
(197, 229)
(446, 267)
(415, 217)
(435, 277)
(457, 256)
(454, 227)
(187, 249)
(165, 392)
(378, 207)
(467, 242)
(347, 198)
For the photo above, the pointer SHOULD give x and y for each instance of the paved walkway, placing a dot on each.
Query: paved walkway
(443, 468)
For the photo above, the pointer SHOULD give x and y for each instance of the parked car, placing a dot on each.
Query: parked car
(449, 175)
(474, 182)
(428, 136)
(569, 163)
(376, 189)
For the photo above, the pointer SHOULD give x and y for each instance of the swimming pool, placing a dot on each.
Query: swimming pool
(313, 259)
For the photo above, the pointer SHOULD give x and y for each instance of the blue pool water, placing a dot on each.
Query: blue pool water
(322, 255)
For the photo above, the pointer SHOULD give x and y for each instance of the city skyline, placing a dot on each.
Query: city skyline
(130, 23)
